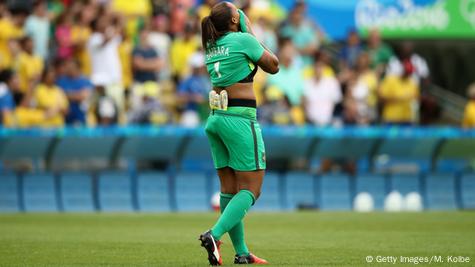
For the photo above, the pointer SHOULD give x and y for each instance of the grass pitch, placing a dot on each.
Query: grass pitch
(285, 239)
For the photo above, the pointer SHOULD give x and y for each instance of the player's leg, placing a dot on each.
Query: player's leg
(250, 181)
(229, 188)
(246, 156)
(239, 204)
(220, 156)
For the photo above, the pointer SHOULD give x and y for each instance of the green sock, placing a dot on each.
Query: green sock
(233, 214)
(237, 232)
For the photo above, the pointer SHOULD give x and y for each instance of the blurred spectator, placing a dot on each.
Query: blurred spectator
(276, 108)
(146, 62)
(350, 51)
(399, 95)
(136, 8)
(193, 91)
(320, 95)
(81, 32)
(181, 50)
(150, 111)
(37, 26)
(379, 52)
(326, 59)
(7, 104)
(105, 108)
(265, 33)
(103, 47)
(78, 91)
(302, 32)
(361, 95)
(469, 114)
(126, 48)
(161, 41)
(11, 30)
(179, 15)
(64, 37)
(14, 104)
(56, 7)
(29, 66)
(289, 79)
(406, 53)
(160, 66)
(204, 9)
(51, 99)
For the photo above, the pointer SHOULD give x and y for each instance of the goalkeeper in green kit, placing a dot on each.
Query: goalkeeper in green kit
(232, 57)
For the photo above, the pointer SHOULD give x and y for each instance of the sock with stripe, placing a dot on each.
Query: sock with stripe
(237, 232)
(233, 213)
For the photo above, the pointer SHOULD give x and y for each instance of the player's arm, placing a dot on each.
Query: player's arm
(267, 61)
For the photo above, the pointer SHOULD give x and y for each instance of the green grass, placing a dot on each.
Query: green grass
(285, 239)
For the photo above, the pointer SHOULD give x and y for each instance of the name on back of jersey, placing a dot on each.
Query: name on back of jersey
(217, 51)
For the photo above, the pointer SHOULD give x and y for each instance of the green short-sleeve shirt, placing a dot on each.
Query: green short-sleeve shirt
(232, 58)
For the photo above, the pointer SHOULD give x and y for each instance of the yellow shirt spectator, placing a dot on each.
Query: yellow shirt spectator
(125, 54)
(8, 31)
(29, 69)
(469, 115)
(29, 117)
(132, 8)
(80, 36)
(327, 71)
(370, 79)
(52, 99)
(180, 52)
(203, 11)
(398, 95)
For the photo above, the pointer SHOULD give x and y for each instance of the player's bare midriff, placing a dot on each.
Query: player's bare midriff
(238, 90)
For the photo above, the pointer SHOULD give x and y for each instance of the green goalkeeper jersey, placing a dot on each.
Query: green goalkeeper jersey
(232, 58)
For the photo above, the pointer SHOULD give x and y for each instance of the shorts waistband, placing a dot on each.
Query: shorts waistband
(239, 102)
(239, 111)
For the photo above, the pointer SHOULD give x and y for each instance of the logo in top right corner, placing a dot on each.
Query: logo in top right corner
(467, 9)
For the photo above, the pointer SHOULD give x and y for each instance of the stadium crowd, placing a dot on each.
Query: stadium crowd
(107, 62)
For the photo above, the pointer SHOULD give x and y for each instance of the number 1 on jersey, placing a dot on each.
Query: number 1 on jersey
(216, 69)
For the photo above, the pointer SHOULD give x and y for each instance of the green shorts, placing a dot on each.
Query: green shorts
(236, 139)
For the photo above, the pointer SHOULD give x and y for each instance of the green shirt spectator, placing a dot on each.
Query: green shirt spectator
(379, 52)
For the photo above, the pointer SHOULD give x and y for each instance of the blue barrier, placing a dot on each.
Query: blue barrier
(271, 198)
(39, 192)
(115, 192)
(300, 190)
(76, 190)
(180, 189)
(468, 191)
(440, 191)
(374, 184)
(192, 191)
(9, 197)
(153, 191)
(335, 192)
(176, 144)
